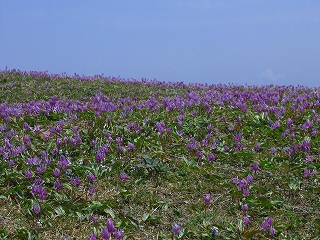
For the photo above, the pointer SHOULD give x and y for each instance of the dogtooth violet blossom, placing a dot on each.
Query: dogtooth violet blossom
(36, 209)
(123, 176)
(206, 198)
(105, 234)
(119, 235)
(245, 221)
(266, 223)
(110, 226)
(176, 228)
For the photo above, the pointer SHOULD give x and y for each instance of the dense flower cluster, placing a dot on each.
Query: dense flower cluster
(84, 137)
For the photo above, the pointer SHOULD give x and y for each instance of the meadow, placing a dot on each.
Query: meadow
(95, 157)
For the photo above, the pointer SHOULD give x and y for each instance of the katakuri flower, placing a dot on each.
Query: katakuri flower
(206, 198)
(176, 228)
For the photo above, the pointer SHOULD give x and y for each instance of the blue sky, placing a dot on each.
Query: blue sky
(207, 41)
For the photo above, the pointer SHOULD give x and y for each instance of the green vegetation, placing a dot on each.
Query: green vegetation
(146, 154)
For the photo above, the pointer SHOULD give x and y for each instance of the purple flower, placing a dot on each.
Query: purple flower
(255, 167)
(38, 181)
(46, 137)
(306, 172)
(36, 209)
(58, 129)
(199, 154)
(308, 159)
(75, 181)
(118, 140)
(35, 189)
(211, 157)
(243, 184)
(78, 139)
(214, 231)
(92, 190)
(123, 176)
(272, 231)
(257, 147)
(91, 177)
(41, 169)
(11, 163)
(206, 198)
(120, 149)
(130, 146)
(245, 192)
(176, 228)
(7, 143)
(314, 132)
(54, 151)
(44, 154)
(110, 226)
(204, 142)
(63, 162)
(275, 125)
(56, 172)
(100, 156)
(245, 207)
(65, 140)
(266, 223)
(94, 218)
(236, 180)
(237, 137)
(57, 185)
(59, 141)
(160, 126)
(92, 237)
(249, 179)
(28, 174)
(36, 161)
(289, 121)
(73, 142)
(119, 235)
(105, 234)
(245, 221)
(27, 140)
(26, 126)
(43, 193)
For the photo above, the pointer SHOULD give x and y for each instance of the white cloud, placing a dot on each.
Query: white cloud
(269, 76)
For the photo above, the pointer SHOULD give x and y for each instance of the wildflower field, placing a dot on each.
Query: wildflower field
(109, 158)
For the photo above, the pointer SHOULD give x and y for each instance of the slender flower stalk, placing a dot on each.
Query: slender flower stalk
(175, 229)
(206, 200)
(36, 209)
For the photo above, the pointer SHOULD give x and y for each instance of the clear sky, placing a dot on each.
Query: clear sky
(227, 41)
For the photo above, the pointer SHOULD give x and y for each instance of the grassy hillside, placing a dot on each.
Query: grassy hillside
(97, 156)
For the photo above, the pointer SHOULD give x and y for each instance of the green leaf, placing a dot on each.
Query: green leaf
(145, 217)
(59, 211)
(294, 184)
(250, 234)
(110, 212)
(3, 197)
(276, 202)
(3, 234)
(80, 216)
(165, 207)
(205, 223)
